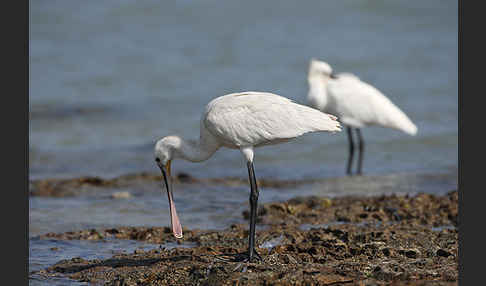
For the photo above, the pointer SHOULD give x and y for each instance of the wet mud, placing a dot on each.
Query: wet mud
(84, 185)
(382, 240)
(144, 182)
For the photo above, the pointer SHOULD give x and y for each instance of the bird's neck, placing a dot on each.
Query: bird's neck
(317, 95)
(195, 150)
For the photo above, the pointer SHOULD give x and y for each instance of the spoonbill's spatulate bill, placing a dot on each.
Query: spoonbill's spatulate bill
(356, 104)
(241, 121)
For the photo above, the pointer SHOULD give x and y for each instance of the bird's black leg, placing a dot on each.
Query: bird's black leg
(251, 253)
(361, 151)
(253, 213)
(351, 150)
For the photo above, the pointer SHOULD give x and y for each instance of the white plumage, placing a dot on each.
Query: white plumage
(241, 121)
(356, 103)
(256, 118)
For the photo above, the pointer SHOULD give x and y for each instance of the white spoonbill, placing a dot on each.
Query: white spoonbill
(356, 103)
(241, 121)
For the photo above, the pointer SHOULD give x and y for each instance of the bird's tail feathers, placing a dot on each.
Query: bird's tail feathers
(400, 121)
(409, 128)
(327, 122)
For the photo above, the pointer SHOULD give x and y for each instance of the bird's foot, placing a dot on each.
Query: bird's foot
(245, 258)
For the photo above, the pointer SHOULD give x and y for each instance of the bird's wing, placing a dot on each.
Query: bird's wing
(253, 118)
(357, 104)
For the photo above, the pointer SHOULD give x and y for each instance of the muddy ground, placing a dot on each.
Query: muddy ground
(86, 185)
(148, 182)
(384, 240)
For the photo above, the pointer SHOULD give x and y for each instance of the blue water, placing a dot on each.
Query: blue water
(107, 79)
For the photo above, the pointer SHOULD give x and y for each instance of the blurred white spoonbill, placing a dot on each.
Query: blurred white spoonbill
(241, 121)
(356, 104)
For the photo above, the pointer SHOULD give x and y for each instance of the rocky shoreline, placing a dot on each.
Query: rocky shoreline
(381, 240)
(77, 186)
(149, 182)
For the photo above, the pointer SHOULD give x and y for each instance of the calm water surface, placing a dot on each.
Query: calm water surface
(107, 79)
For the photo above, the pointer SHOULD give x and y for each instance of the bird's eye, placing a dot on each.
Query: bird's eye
(157, 160)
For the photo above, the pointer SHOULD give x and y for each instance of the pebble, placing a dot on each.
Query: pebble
(443, 253)
(138, 251)
(121, 195)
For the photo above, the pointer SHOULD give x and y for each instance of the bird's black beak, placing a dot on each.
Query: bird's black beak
(333, 76)
(174, 219)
